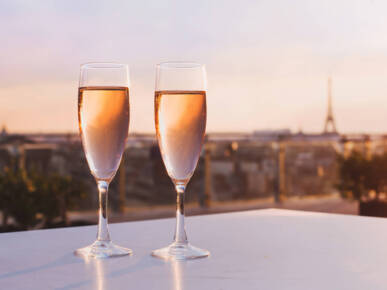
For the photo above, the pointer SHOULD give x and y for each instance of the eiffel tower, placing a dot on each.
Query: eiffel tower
(330, 126)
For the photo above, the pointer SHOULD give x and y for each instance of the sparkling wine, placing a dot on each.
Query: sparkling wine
(103, 114)
(180, 118)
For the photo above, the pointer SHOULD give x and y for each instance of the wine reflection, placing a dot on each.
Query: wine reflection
(178, 270)
(97, 271)
(100, 276)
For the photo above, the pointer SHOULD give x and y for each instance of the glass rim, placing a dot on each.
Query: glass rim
(179, 65)
(103, 65)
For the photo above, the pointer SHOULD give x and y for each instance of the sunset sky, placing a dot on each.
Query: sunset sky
(267, 61)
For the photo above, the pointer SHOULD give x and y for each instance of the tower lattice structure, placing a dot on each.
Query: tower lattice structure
(330, 126)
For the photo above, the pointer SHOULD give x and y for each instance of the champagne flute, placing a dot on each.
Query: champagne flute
(103, 115)
(180, 117)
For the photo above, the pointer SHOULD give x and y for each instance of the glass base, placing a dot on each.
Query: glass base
(102, 250)
(180, 251)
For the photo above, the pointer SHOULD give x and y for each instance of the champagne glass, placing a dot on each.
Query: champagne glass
(180, 117)
(103, 115)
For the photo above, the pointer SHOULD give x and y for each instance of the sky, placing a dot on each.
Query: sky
(267, 61)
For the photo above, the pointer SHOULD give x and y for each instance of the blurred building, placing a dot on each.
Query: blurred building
(233, 166)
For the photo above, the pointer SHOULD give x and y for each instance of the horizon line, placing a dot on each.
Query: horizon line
(209, 132)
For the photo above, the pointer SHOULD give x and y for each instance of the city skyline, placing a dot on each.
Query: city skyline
(267, 63)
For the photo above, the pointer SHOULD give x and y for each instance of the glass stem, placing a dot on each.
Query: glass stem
(180, 235)
(103, 231)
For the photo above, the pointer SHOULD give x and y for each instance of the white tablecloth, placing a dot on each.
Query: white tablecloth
(262, 249)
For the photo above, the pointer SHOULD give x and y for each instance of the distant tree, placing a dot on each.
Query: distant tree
(56, 194)
(360, 176)
(36, 197)
(352, 172)
(17, 198)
